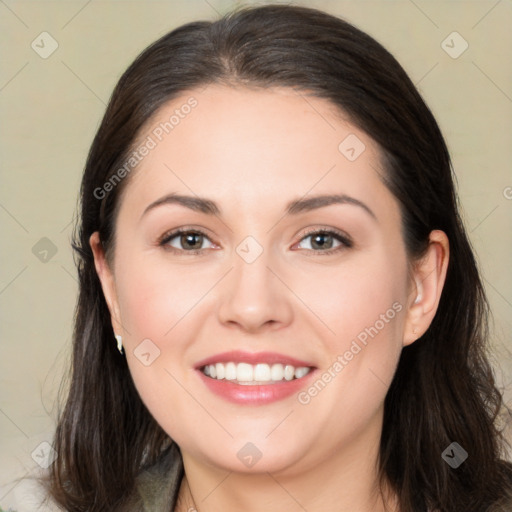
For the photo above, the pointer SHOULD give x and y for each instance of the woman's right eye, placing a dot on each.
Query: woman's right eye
(184, 241)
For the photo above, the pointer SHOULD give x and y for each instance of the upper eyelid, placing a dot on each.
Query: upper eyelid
(337, 232)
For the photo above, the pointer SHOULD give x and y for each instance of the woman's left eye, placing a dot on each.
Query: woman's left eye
(324, 241)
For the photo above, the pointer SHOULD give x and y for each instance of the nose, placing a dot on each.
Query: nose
(253, 298)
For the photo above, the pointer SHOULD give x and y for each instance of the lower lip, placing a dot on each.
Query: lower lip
(254, 395)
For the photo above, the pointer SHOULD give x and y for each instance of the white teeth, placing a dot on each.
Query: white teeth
(245, 373)
(301, 372)
(230, 371)
(262, 372)
(289, 372)
(221, 371)
(277, 372)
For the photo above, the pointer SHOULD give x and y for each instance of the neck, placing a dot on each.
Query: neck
(346, 482)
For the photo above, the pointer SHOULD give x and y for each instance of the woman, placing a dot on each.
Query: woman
(279, 307)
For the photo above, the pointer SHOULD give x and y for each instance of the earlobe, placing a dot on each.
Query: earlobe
(106, 278)
(429, 279)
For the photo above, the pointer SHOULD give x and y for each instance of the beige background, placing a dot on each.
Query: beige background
(50, 109)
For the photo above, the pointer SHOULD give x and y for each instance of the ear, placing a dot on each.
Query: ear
(429, 275)
(106, 277)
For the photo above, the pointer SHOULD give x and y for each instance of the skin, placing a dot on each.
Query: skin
(252, 151)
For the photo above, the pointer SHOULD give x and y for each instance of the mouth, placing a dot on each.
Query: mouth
(254, 379)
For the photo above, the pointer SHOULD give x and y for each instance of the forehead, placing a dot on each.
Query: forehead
(248, 145)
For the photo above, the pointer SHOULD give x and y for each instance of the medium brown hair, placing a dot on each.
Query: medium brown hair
(443, 389)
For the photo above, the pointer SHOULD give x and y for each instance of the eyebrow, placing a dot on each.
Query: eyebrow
(209, 207)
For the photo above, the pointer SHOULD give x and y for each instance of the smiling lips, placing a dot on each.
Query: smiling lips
(253, 379)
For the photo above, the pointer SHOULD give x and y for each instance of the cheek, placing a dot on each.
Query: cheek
(355, 297)
(158, 303)
(155, 296)
(361, 305)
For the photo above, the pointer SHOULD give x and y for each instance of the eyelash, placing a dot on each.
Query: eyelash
(346, 242)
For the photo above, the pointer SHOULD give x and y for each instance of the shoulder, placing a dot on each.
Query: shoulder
(156, 487)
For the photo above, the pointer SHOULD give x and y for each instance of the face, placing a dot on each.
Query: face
(300, 304)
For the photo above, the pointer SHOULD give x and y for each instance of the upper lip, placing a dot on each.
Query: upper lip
(237, 356)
